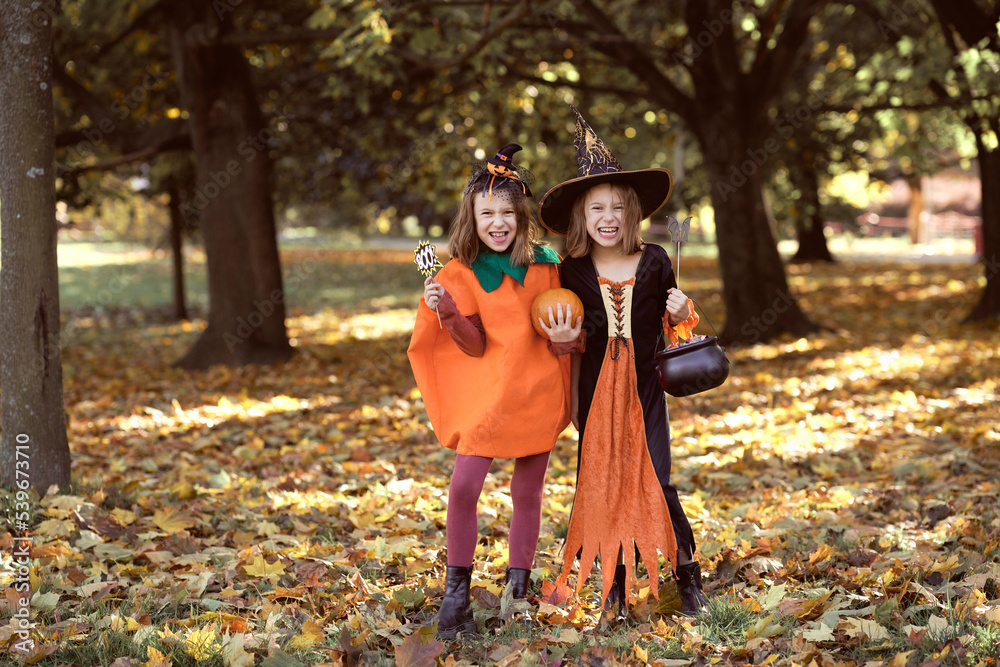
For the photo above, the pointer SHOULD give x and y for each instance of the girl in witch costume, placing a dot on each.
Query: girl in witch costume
(491, 385)
(624, 495)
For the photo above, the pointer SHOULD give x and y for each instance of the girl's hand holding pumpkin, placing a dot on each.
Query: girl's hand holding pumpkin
(560, 328)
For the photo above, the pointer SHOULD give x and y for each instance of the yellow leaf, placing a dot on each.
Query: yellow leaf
(172, 520)
(947, 565)
(38, 652)
(312, 634)
(641, 654)
(286, 403)
(821, 554)
(199, 642)
(124, 517)
(857, 626)
(44, 601)
(899, 660)
(267, 528)
(55, 528)
(763, 628)
(568, 636)
(261, 568)
(118, 623)
(156, 659)
(927, 595)
(183, 491)
(233, 653)
(773, 596)
(822, 633)
(514, 658)
(841, 496)
(938, 625)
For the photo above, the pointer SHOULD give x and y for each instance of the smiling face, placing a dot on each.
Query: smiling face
(496, 221)
(604, 213)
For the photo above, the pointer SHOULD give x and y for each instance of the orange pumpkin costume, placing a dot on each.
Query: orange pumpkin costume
(514, 400)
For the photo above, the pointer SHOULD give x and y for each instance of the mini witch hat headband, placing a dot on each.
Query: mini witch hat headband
(597, 165)
(499, 171)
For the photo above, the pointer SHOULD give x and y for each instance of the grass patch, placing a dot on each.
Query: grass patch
(927, 636)
(96, 278)
(111, 496)
(132, 628)
(19, 507)
(725, 620)
(624, 641)
(498, 642)
(986, 641)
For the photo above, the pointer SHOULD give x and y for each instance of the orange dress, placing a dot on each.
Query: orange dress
(619, 503)
(514, 400)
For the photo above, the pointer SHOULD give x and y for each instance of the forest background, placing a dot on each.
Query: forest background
(213, 450)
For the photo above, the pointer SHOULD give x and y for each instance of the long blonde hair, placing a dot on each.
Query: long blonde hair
(578, 240)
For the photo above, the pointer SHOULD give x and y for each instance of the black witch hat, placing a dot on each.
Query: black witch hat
(500, 170)
(597, 165)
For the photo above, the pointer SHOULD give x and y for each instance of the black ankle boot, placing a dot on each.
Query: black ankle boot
(455, 613)
(689, 588)
(520, 581)
(618, 595)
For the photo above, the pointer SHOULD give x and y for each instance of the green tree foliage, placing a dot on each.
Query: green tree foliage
(209, 104)
(970, 29)
(376, 108)
(950, 53)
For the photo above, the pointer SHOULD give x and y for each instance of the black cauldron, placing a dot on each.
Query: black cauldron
(693, 368)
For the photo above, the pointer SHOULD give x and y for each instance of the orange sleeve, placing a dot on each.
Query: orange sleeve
(681, 330)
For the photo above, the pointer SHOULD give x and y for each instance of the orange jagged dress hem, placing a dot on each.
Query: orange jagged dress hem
(619, 501)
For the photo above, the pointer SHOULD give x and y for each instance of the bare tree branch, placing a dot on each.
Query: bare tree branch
(281, 36)
(178, 142)
(771, 72)
(767, 27)
(625, 93)
(426, 60)
(638, 62)
(943, 103)
(968, 19)
(140, 22)
(96, 110)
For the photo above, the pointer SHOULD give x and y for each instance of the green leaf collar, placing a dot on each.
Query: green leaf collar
(490, 266)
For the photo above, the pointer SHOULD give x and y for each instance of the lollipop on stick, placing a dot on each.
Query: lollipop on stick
(427, 263)
(678, 234)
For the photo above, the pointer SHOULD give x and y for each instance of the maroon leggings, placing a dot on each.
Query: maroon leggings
(526, 487)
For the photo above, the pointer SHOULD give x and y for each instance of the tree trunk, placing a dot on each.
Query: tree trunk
(975, 23)
(34, 451)
(915, 209)
(232, 198)
(809, 226)
(738, 141)
(759, 304)
(988, 307)
(177, 249)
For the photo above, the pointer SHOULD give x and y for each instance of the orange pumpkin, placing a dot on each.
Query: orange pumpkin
(553, 297)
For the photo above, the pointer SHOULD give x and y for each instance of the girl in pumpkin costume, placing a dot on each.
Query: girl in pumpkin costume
(625, 502)
(491, 385)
